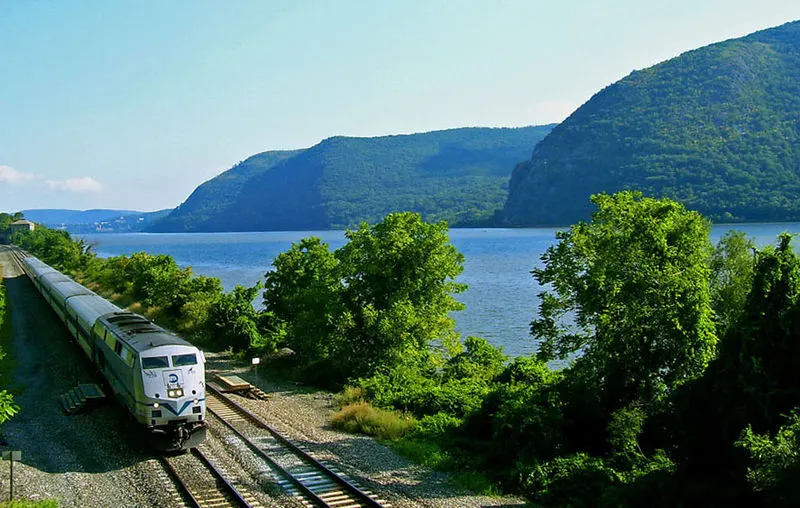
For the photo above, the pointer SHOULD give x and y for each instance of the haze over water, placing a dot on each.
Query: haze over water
(501, 299)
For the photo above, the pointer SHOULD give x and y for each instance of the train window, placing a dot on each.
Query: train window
(127, 357)
(155, 362)
(118, 348)
(183, 360)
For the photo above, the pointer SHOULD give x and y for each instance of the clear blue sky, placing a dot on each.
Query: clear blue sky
(122, 104)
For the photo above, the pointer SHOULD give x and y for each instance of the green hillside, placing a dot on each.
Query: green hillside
(216, 195)
(717, 128)
(460, 175)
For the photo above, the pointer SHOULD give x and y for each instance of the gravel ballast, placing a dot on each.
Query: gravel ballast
(100, 458)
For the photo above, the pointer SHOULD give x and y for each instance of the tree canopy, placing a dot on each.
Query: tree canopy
(381, 300)
(634, 280)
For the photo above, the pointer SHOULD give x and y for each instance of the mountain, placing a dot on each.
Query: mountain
(95, 221)
(217, 195)
(716, 128)
(58, 216)
(460, 175)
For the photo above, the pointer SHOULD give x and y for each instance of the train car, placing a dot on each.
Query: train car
(156, 375)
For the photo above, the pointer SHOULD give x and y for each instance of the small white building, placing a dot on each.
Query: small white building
(21, 225)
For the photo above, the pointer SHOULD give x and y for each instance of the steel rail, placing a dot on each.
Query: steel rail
(232, 493)
(173, 473)
(360, 495)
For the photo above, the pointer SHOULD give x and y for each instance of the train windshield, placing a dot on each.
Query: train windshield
(184, 360)
(155, 362)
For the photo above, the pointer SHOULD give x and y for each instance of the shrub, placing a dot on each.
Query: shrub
(578, 480)
(349, 395)
(362, 417)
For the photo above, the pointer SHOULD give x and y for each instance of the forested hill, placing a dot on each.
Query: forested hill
(717, 128)
(460, 175)
(217, 195)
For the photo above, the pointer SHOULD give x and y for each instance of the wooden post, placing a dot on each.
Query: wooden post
(12, 456)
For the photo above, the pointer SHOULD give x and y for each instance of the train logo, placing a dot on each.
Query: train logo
(173, 378)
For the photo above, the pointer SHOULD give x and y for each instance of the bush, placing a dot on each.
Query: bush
(577, 480)
(350, 395)
(775, 462)
(362, 417)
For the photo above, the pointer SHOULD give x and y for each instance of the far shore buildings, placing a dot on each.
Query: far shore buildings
(21, 225)
(17, 225)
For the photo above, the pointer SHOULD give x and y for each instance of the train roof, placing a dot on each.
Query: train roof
(68, 288)
(139, 333)
(51, 275)
(89, 307)
(38, 266)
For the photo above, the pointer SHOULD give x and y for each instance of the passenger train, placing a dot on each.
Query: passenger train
(156, 375)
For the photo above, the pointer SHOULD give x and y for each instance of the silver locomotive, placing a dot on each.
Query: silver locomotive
(156, 375)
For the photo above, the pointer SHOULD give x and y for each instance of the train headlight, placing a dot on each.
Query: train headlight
(171, 393)
(197, 401)
(156, 405)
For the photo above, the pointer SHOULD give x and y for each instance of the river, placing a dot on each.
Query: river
(501, 299)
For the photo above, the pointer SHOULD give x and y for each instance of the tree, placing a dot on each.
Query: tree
(759, 355)
(232, 320)
(381, 300)
(629, 292)
(7, 407)
(732, 267)
(399, 280)
(304, 292)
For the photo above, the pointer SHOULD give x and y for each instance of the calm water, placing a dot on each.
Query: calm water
(500, 302)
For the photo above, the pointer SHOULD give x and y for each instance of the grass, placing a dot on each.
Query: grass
(428, 453)
(6, 362)
(350, 395)
(24, 503)
(363, 418)
(358, 416)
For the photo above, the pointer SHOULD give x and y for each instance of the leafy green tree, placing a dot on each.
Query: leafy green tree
(759, 357)
(776, 462)
(304, 292)
(479, 360)
(55, 247)
(635, 280)
(732, 267)
(5, 220)
(399, 280)
(234, 323)
(381, 300)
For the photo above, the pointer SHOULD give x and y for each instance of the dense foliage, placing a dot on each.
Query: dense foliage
(458, 175)
(678, 383)
(679, 373)
(7, 407)
(633, 281)
(387, 291)
(715, 128)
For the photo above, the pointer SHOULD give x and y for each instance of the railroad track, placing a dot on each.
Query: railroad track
(309, 480)
(17, 255)
(204, 485)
